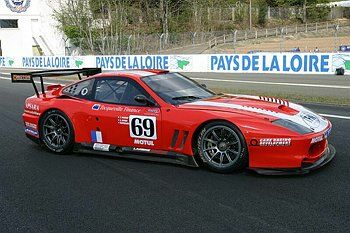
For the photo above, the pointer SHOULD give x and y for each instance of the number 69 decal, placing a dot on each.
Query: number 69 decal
(143, 127)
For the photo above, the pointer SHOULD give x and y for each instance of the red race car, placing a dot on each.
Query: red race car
(163, 116)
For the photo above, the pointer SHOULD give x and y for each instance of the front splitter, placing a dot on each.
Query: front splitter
(325, 159)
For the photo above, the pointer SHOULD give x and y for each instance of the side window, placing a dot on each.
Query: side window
(118, 91)
(80, 90)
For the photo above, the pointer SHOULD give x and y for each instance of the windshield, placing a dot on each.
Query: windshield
(175, 88)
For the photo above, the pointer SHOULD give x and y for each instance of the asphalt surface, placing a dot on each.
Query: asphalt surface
(44, 192)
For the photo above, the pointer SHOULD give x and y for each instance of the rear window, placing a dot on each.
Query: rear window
(80, 90)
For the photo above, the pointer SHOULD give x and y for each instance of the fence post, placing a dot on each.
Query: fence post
(160, 41)
(233, 14)
(306, 27)
(336, 36)
(276, 31)
(129, 46)
(266, 32)
(256, 34)
(234, 40)
(282, 29)
(224, 39)
(296, 29)
(208, 13)
(194, 37)
(327, 26)
(316, 26)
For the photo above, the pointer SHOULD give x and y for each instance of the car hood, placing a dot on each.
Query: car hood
(263, 107)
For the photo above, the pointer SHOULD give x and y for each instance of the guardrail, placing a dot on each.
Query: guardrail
(242, 35)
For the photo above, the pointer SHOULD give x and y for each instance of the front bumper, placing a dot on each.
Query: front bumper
(327, 156)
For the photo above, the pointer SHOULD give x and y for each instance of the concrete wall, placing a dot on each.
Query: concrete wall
(37, 22)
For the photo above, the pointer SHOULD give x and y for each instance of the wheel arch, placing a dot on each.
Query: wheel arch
(50, 109)
(203, 124)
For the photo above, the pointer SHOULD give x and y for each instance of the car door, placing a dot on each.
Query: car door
(119, 119)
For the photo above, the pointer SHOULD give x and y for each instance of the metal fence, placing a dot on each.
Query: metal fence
(157, 43)
(281, 32)
(138, 43)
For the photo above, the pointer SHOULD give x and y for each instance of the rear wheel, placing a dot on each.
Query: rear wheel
(56, 132)
(222, 147)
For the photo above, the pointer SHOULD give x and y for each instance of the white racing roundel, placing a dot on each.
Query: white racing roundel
(144, 127)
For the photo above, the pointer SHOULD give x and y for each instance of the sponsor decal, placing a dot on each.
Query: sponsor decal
(32, 112)
(274, 63)
(11, 62)
(101, 147)
(141, 149)
(327, 133)
(31, 132)
(78, 62)
(31, 128)
(310, 119)
(321, 137)
(132, 110)
(102, 107)
(143, 142)
(154, 110)
(317, 139)
(96, 107)
(271, 142)
(31, 125)
(341, 61)
(144, 127)
(21, 78)
(18, 6)
(123, 120)
(32, 107)
(6, 61)
(96, 136)
(133, 62)
(46, 62)
(181, 62)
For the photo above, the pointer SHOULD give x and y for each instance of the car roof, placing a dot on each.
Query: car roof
(132, 73)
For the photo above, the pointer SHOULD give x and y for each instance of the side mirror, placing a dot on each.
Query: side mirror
(144, 100)
(203, 85)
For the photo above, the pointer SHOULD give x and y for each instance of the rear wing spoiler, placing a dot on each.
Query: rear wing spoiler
(28, 77)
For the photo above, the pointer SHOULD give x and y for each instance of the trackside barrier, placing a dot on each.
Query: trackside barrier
(290, 63)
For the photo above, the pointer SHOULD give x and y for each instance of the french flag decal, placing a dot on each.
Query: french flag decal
(96, 136)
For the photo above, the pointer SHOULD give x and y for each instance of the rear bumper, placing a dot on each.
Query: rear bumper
(327, 156)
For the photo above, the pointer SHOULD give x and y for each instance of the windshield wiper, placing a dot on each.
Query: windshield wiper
(186, 97)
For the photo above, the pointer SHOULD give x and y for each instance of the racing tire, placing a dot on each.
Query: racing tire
(222, 148)
(56, 132)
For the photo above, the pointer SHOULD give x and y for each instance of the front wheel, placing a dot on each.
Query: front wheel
(222, 147)
(56, 132)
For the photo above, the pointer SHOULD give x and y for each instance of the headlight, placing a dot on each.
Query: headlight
(292, 126)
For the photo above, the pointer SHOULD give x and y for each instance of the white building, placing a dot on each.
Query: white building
(28, 28)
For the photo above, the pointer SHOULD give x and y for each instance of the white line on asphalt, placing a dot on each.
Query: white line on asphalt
(273, 83)
(335, 116)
